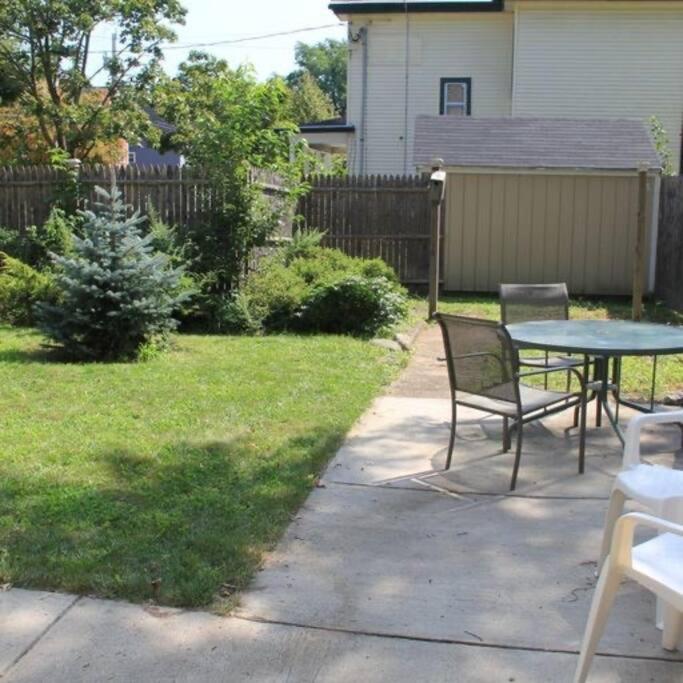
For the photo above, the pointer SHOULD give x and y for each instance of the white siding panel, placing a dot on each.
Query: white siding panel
(603, 62)
(476, 46)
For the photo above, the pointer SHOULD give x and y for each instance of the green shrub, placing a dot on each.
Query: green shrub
(36, 245)
(233, 315)
(117, 294)
(304, 244)
(274, 294)
(354, 305)
(21, 288)
(12, 243)
(307, 287)
(323, 265)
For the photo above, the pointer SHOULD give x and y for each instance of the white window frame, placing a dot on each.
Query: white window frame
(464, 105)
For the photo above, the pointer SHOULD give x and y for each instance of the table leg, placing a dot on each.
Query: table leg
(616, 383)
(597, 377)
(603, 398)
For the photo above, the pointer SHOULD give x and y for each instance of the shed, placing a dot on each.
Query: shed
(542, 200)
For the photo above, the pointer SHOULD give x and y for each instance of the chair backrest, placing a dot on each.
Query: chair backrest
(480, 356)
(521, 303)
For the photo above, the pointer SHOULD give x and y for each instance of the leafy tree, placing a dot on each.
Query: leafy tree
(10, 87)
(45, 47)
(116, 294)
(309, 102)
(227, 123)
(662, 144)
(326, 62)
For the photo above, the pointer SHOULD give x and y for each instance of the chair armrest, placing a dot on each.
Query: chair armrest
(632, 441)
(547, 371)
(622, 541)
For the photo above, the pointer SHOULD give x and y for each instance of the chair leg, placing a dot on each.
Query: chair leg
(451, 441)
(605, 592)
(614, 511)
(507, 441)
(518, 454)
(673, 628)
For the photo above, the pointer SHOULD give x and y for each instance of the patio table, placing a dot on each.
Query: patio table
(605, 341)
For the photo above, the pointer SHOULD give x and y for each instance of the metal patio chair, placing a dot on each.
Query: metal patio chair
(524, 303)
(484, 373)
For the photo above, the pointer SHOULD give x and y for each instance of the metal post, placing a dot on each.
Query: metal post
(437, 185)
(639, 255)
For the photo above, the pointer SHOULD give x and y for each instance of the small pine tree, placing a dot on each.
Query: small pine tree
(117, 294)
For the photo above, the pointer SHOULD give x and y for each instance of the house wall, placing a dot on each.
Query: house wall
(601, 60)
(148, 156)
(520, 226)
(552, 58)
(476, 46)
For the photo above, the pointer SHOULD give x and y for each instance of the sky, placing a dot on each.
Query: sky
(217, 20)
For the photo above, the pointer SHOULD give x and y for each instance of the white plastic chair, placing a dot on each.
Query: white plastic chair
(657, 565)
(657, 488)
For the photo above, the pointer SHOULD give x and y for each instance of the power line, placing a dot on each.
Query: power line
(235, 41)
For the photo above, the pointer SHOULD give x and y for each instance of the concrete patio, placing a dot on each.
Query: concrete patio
(392, 571)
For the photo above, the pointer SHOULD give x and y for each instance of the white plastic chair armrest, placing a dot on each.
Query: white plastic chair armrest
(632, 442)
(622, 541)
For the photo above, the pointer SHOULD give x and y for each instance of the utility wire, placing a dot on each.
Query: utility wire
(235, 41)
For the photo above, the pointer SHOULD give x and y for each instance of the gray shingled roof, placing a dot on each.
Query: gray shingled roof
(594, 144)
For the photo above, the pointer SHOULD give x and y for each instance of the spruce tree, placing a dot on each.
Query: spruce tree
(117, 294)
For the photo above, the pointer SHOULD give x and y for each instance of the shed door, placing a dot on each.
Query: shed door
(524, 228)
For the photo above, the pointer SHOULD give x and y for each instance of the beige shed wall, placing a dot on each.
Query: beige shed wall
(535, 228)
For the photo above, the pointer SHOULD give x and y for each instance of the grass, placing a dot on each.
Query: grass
(167, 480)
(637, 372)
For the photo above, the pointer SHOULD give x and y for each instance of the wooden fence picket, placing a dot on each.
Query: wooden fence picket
(374, 216)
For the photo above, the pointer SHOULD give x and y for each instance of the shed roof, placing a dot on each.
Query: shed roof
(591, 144)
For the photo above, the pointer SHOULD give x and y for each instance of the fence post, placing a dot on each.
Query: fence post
(638, 258)
(437, 189)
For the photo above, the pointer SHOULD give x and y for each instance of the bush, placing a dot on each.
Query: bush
(21, 288)
(233, 315)
(37, 244)
(307, 287)
(274, 294)
(117, 295)
(356, 305)
(304, 244)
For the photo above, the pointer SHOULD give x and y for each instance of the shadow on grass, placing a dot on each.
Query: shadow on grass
(182, 527)
(24, 357)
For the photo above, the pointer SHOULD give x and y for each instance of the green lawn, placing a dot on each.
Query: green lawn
(637, 372)
(167, 480)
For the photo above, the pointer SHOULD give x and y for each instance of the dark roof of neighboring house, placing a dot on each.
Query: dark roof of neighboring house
(163, 125)
(329, 126)
(379, 6)
(591, 144)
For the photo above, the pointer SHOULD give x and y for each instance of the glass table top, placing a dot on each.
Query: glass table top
(599, 337)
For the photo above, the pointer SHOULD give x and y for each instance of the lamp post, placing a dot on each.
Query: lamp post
(437, 191)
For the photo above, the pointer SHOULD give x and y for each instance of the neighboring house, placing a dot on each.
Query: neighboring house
(503, 58)
(143, 154)
(332, 136)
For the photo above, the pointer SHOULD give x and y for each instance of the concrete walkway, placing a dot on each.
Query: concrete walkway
(392, 571)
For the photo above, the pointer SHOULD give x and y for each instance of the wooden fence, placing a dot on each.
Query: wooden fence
(374, 216)
(669, 282)
(180, 196)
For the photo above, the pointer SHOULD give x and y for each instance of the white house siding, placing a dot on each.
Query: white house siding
(601, 60)
(476, 46)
